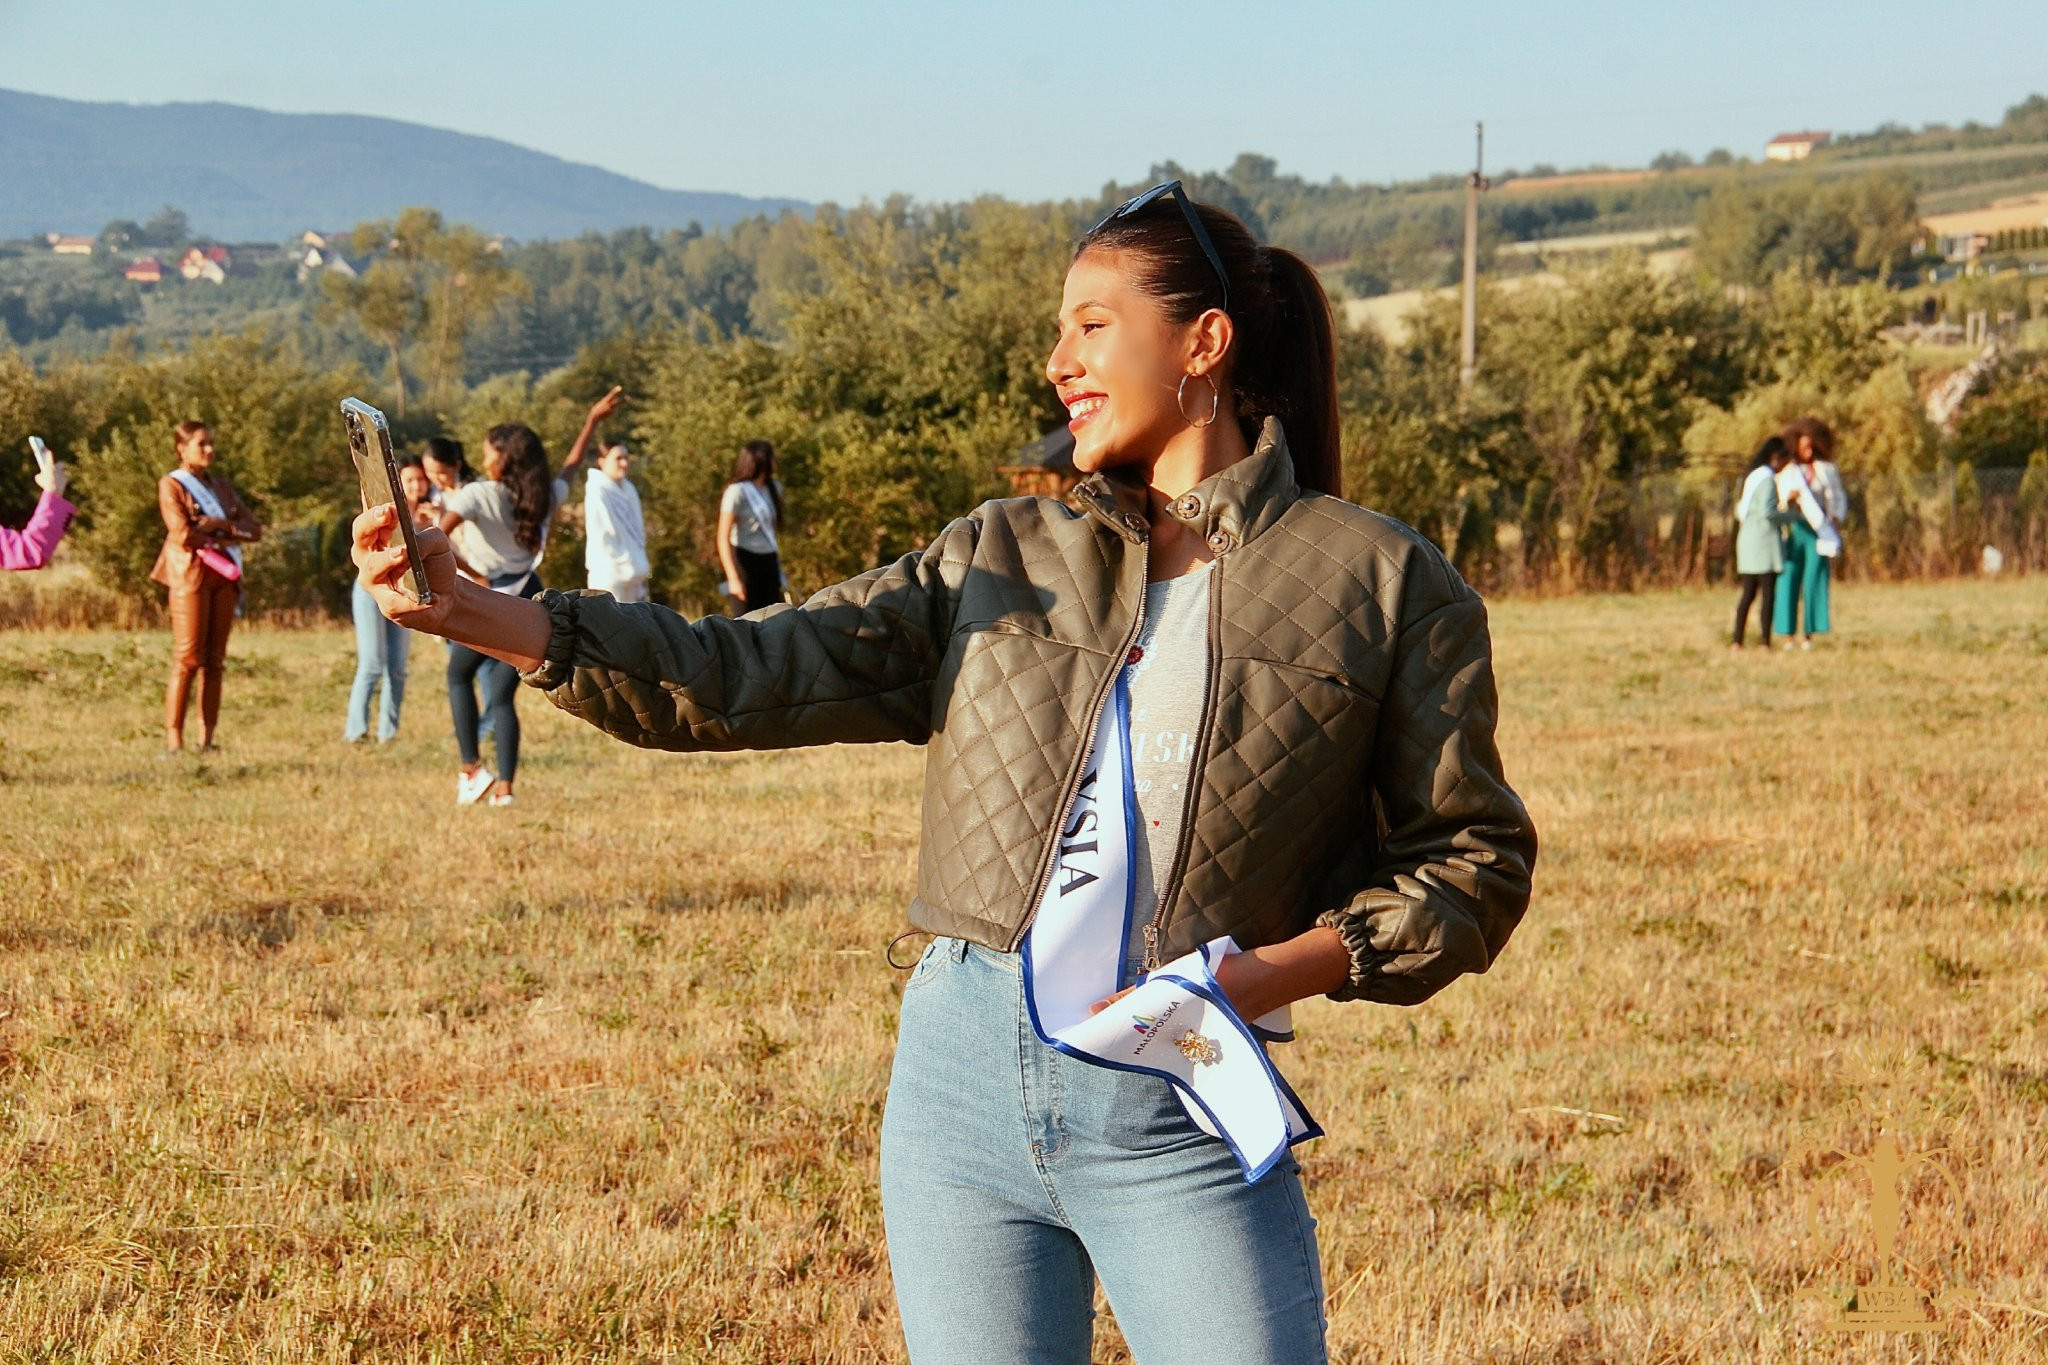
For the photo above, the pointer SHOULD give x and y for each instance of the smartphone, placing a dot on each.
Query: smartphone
(42, 452)
(369, 445)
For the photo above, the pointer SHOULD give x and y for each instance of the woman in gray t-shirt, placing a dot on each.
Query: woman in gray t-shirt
(499, 527)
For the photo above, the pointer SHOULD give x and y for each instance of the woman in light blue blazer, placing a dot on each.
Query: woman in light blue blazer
(1759, 550)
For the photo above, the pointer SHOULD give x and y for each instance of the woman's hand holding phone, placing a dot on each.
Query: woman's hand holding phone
(51, 473)
(381, 568)
(514, 629)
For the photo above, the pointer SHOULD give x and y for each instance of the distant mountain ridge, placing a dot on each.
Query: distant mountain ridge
(246, 174)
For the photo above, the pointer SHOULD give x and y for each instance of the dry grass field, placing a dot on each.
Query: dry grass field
(299, 1062)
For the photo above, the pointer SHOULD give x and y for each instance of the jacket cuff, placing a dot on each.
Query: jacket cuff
(557, 662)
(1366, 960)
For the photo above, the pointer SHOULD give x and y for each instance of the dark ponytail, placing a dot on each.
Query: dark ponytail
(1284, 360)
(1291, 371)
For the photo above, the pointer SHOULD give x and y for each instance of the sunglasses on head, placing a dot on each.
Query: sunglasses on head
(1187, 211)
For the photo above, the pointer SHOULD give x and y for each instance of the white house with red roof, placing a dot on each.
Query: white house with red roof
(1794, 146)
(209, 263)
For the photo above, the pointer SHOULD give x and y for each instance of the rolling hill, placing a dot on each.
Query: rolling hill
(248, 175)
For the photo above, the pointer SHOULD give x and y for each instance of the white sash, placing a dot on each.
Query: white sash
(1794, 479)
(1176, 1023)
(763, 508)
(209, 505)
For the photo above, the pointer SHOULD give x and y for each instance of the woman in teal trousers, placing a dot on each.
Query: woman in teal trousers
(1811, 490)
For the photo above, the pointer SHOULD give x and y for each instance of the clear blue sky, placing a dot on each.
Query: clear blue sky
(850, 100)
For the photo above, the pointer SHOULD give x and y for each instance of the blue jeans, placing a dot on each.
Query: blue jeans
(467, 671)
(381, 648)
(1013, 1175)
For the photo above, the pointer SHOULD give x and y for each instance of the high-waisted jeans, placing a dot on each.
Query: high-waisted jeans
(1012, 1176)
(467, 671)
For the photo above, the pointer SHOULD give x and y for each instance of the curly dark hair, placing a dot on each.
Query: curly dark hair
(1823, 437)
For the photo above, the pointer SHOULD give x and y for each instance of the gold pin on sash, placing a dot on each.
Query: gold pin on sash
(1197, 1049)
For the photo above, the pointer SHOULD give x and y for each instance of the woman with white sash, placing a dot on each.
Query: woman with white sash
(749, 530)
(205, 527)
(1811, 489)
(1203, 742)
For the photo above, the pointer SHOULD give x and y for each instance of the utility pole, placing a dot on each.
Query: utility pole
(1468, 344)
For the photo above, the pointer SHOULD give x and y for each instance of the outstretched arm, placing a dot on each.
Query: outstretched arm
(599, 411)
(855, 664)
(512, 629)
(30, 547)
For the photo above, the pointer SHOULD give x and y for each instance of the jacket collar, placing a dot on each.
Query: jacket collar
(1231, 506)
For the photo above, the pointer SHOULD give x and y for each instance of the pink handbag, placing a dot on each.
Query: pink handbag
(222, 564)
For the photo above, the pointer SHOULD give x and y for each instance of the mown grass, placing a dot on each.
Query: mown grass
(300, 1062)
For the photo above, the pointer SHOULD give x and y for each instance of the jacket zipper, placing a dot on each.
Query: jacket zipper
(1187, 815)
(1048, 861)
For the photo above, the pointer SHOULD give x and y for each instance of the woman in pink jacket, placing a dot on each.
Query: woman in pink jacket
(30, 547)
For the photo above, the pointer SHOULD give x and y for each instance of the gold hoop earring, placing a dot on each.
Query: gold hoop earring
(1180, 400)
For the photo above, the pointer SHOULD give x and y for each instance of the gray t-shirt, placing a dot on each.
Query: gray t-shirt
(1167, 685)
(753, 517)
(486, 540)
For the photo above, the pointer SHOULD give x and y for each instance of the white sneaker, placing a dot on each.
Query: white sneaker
(501, 799)
(469, 786)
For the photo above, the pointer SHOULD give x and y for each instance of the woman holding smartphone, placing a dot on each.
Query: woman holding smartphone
(205, 526)
(1317, 675)
(32, 546)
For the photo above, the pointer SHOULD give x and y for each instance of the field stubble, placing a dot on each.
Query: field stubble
(300, 1062)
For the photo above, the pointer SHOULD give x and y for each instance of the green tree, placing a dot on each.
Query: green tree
(168, 228)
(385, 302)
(2006, 420)
(1752, 228)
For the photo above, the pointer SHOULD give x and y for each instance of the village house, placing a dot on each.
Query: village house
(147, 270)
(1794, 146)
(64, 244)
(324, 258)
(1966, 234)
(209, 263)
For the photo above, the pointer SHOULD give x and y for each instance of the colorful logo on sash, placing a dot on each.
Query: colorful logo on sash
(1144, 1023)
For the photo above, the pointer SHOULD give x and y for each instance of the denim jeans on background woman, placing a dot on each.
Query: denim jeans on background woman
(381, 649)
(469, 670)
(1013, 1175)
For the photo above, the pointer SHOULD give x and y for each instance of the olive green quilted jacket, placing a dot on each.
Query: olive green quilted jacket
(1348, 774)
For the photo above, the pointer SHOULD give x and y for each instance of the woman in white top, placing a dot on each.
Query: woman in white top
(749, 522)
(615, 535)
(1811, 488)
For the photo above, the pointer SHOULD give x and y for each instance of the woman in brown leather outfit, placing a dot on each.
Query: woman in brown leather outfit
(205, 523)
